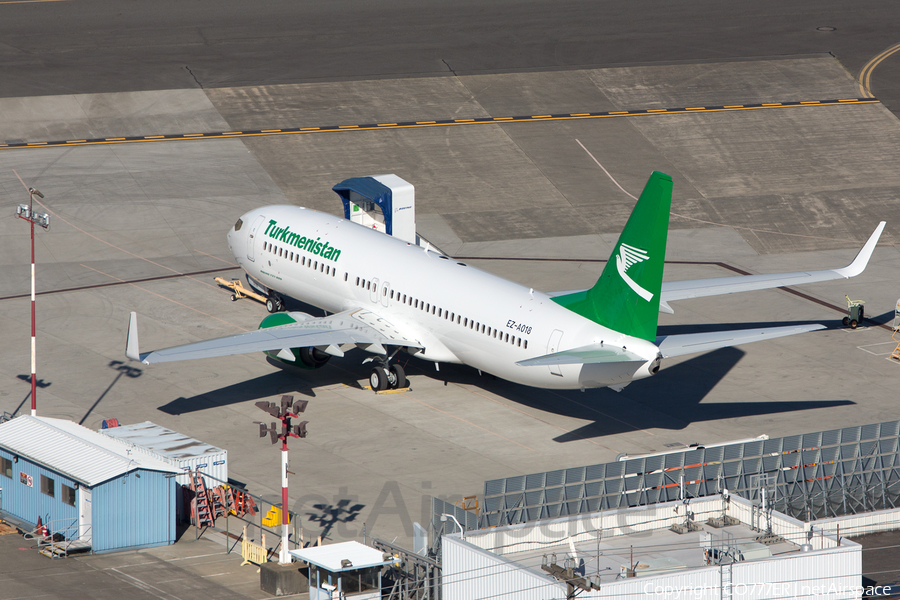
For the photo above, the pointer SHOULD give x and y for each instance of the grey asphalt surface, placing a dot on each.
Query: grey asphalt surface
(775, 190)
(82, 46)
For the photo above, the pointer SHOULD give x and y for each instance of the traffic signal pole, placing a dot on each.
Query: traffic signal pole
(287, 411)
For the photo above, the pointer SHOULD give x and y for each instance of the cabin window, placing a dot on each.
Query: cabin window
(357, 282)
(415, 303)
(68, 495)
(404, 299)
(5, 467)
(519, 342)
(315, 265)
(439, 312)
(507, 337)
(433, 310)
(47, 486)
(291, 257)
(427, 307)
(346, 276)
(526, 344)
(384, 291)
(322, 267)
(296, 258)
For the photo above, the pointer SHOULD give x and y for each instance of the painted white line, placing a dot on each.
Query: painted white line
(153, 591)
(890, 349)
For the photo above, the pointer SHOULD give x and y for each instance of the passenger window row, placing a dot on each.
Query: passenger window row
(444, 314)
(301, 260)
(427, 307)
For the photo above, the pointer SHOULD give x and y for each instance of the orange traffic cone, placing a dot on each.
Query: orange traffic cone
(41, 528)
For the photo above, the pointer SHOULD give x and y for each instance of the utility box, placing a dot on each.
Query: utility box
(385, 203)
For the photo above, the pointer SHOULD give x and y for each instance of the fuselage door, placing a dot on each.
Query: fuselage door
(252, 235)
(553, 346)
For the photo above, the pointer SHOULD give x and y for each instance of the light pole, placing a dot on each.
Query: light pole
(288, 410)
(446, 516)
(26, 211)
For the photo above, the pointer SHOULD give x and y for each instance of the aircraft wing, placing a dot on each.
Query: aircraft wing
(690, 343)
(696, 288)
(358, 326)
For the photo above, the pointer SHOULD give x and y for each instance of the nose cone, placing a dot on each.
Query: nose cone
(236, 238)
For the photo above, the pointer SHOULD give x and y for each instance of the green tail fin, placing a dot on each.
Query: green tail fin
(626, 297)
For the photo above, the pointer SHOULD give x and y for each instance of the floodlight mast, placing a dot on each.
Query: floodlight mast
(26, 211)
(288, 410)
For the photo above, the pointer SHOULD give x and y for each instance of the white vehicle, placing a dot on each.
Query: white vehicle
(388, 295)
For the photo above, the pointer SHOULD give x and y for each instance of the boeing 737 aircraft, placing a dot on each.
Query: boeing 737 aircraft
(387, 295)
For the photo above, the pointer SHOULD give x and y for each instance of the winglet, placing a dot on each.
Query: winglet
(862, 259)
(131, 343)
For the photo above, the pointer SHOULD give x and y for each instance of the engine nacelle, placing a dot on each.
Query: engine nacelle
(305, 358)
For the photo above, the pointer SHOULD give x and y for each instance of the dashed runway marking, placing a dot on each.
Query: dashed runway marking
(441, 123)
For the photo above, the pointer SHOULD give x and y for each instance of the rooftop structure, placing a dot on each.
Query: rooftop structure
(714, 547)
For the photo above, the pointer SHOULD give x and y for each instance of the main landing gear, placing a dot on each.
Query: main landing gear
(387, 376)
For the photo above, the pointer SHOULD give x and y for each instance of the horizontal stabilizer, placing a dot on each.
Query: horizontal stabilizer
(697, 288)
(690, 343)
(590, 354)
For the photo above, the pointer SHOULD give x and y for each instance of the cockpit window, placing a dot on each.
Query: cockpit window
(237, 226)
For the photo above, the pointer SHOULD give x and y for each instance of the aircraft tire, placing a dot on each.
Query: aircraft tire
(399, 377)
(378, 379)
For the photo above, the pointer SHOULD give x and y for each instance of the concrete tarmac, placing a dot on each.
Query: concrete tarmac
(763, 191)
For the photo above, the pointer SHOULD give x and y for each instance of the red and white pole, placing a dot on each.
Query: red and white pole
(283, 557)
(26, 211)
(33, 343)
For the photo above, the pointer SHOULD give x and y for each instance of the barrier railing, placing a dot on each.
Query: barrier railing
(253, 553)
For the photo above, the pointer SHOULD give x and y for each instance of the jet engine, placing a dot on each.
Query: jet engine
(305, 358)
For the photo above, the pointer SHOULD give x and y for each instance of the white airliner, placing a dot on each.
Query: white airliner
(387, 295)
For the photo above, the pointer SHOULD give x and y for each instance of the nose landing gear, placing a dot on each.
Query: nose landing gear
(274, 304)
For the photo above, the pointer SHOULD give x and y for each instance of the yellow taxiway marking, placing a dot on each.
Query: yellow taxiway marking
(692, 110)
(865, 75)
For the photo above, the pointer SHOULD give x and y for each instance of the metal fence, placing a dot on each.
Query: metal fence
(255, 523)
(810, 476)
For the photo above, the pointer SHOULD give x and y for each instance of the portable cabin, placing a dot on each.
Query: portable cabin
(84, 485)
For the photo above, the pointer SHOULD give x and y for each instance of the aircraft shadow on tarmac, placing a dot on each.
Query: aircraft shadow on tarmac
(671, 400)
